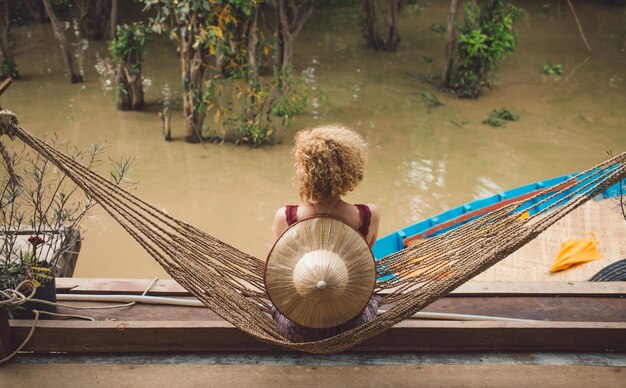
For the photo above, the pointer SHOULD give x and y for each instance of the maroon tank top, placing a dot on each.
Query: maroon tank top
(291, 215)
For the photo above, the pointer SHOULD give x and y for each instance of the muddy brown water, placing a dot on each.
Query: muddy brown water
(421, 163)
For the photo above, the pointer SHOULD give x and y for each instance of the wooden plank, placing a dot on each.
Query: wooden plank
(564, 308)
(150, 374)
(168, 336)
(537, 308)
(170, 287)
(7, 345)
(476, 288)
(118, 286)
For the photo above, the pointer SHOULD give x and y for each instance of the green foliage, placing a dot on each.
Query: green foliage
(428, 77)
(498, 117)
(127, 47)
(202, 21)
(439, 28)
(486, 37)
(223, 81)
(430, 99)
(248, 105)
(293, 95)
(550, 69)
(8, 68)
(202, 30)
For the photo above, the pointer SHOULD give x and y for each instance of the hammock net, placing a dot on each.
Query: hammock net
(230, 282)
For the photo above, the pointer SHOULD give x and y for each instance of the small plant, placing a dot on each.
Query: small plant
(498, 117)
(429, 78)
(439, 28)
(126, 49)
(550, 69)
(293, 96)
(486, 37)
(430, 99)
(40, 214)
(252, 108)
(8, 68)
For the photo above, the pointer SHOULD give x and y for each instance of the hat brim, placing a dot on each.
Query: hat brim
(327, 307)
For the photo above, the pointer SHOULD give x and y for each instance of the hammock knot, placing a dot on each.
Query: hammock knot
(8, 123)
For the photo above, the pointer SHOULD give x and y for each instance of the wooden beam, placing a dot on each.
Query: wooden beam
(564, 308)
(118, 286)
(175, 336)
(472, 288)
(606, 289)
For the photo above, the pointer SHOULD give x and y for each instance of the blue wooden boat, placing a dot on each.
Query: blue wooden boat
(572, 184)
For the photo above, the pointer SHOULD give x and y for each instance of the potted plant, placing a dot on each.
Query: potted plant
(41, 210)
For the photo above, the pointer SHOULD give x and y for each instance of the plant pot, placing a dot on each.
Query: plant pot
(46, 292)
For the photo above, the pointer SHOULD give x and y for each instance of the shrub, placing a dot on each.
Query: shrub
(550, 69)
(498, 117)
(486, 37)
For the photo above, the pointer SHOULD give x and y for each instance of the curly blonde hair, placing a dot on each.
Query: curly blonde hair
(331, 160)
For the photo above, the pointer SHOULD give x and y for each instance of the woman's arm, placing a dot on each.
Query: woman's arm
(280, 223)
(374, 223)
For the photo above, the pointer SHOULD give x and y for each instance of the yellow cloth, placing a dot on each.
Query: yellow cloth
(574, 252)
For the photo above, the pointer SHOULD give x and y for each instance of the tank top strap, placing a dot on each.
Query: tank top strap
(365, 213)
(291, 214)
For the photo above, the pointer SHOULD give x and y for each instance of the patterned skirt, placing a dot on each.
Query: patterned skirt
(295, 333)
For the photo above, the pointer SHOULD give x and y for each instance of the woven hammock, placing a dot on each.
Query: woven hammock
(230, 282)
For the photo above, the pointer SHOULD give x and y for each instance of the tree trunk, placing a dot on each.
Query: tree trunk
(252, 41)
(284, 36)
(287, 54)
(36, 10)
(94, 18)
(135, 89)
(193, 67)
(290, 22)
(121, 83)
(75, 76)
(114, 14)
(8, 60)
(370, 28)
(450, 43)
(166, 119)
(129, 87)
(369, 11)
(393, 35)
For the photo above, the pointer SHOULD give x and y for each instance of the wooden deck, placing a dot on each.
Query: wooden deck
(570, 317)
(298, 374)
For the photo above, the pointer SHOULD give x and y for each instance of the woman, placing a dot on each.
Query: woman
(330, 162)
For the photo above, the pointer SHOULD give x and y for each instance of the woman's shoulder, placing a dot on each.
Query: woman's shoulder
(374, 210)
(283, 212)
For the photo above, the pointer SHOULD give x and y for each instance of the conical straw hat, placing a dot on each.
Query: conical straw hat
(320, 273)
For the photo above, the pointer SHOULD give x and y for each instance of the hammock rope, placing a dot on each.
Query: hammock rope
(230, 282)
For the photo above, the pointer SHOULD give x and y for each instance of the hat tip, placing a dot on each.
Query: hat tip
(321, 285)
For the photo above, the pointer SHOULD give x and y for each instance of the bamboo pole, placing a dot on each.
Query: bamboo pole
(580, 29)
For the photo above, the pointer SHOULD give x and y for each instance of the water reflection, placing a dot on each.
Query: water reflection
(311, 82)
(486, 187)
(420, 163)
(103, 73)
